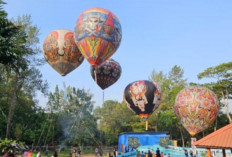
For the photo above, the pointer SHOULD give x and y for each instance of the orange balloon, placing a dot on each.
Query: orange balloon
(61, 51)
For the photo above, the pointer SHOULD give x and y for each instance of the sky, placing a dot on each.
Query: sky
(156, 35)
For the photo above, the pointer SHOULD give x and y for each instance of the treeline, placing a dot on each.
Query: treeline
(70, 117)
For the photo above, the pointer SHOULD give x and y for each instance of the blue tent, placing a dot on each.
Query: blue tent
(129, 140)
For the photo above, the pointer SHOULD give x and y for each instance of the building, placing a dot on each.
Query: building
(131, 140)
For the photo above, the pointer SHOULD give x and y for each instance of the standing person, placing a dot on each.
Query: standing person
(149, 153)
(158, 153)
(96, 151)
(191, 152)
(213, 154)
(79, 152)
(46, 152)
(186, 153)
(55, 154)
(38, 154)
(115, 152)
(194, 152)
(74, 152)
(101, 153)
(142, 154)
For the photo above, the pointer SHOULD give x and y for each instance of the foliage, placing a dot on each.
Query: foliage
(223, 85)
(9, 147)
(74, 109)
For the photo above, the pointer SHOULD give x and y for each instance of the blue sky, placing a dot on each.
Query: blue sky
(156, 34)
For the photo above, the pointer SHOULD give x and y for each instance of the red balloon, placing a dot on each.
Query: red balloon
(98, 34)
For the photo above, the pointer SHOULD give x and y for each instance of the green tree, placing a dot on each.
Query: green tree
(23, 76)
(74, 108)
(115, 118)
(164, 117)
(221, 75)
(12, 41)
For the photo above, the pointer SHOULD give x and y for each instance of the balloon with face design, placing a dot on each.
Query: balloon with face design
(107, 73)
(142, 97)
(98, 34)
(197, 108)
(61, 51)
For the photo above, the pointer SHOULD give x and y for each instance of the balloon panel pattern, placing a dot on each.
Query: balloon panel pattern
(197, 108)
(107, 73)
(61, 51)
(98, 34)
(142, 97)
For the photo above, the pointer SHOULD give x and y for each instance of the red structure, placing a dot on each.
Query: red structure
(220, 139)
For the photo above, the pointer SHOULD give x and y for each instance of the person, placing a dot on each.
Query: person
(194, 152)
(96, 151)
(213, 154)
(46, 152)
(191, 152)
(74, 152)
(149, 153)
(158, 153)
(169, 155)
(101, 153)
(165, 155)
(161, 155)
(186, 152)
(115, 152)
(38, 154)
(55, 154)
(142, 154)
(79, 152)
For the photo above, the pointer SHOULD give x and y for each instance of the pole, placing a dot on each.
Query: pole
(146, 125)
(103, 97)
(208, 153)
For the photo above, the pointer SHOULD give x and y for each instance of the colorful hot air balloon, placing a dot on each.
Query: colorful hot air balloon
(197, 108)
(98, 34)
(61, 51)
(142, 97)
(107, 73)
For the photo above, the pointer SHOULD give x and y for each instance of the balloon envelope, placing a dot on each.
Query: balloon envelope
(98, 34)
(197, 108)
(61, 51)
(107, 73)
(142, 97)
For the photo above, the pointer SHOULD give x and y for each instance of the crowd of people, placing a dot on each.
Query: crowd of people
(152, 153)
(191, 153)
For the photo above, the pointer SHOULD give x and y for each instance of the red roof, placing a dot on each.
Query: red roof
(221, 138)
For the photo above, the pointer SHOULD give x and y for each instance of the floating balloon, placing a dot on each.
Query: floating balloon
(142, 97)
(61, 51)
(98, 34)
(107, 73)
(197, 108)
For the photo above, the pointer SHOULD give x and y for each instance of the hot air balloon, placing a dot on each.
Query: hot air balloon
(61, 51)
(98, 34)
(197, 108)
(107, 73)
(142, 97)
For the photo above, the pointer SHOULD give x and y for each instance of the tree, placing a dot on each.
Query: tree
(223, 84)
(12, 40)
(115, 118)
(21, 74)
(164, 117)
(74, 109)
